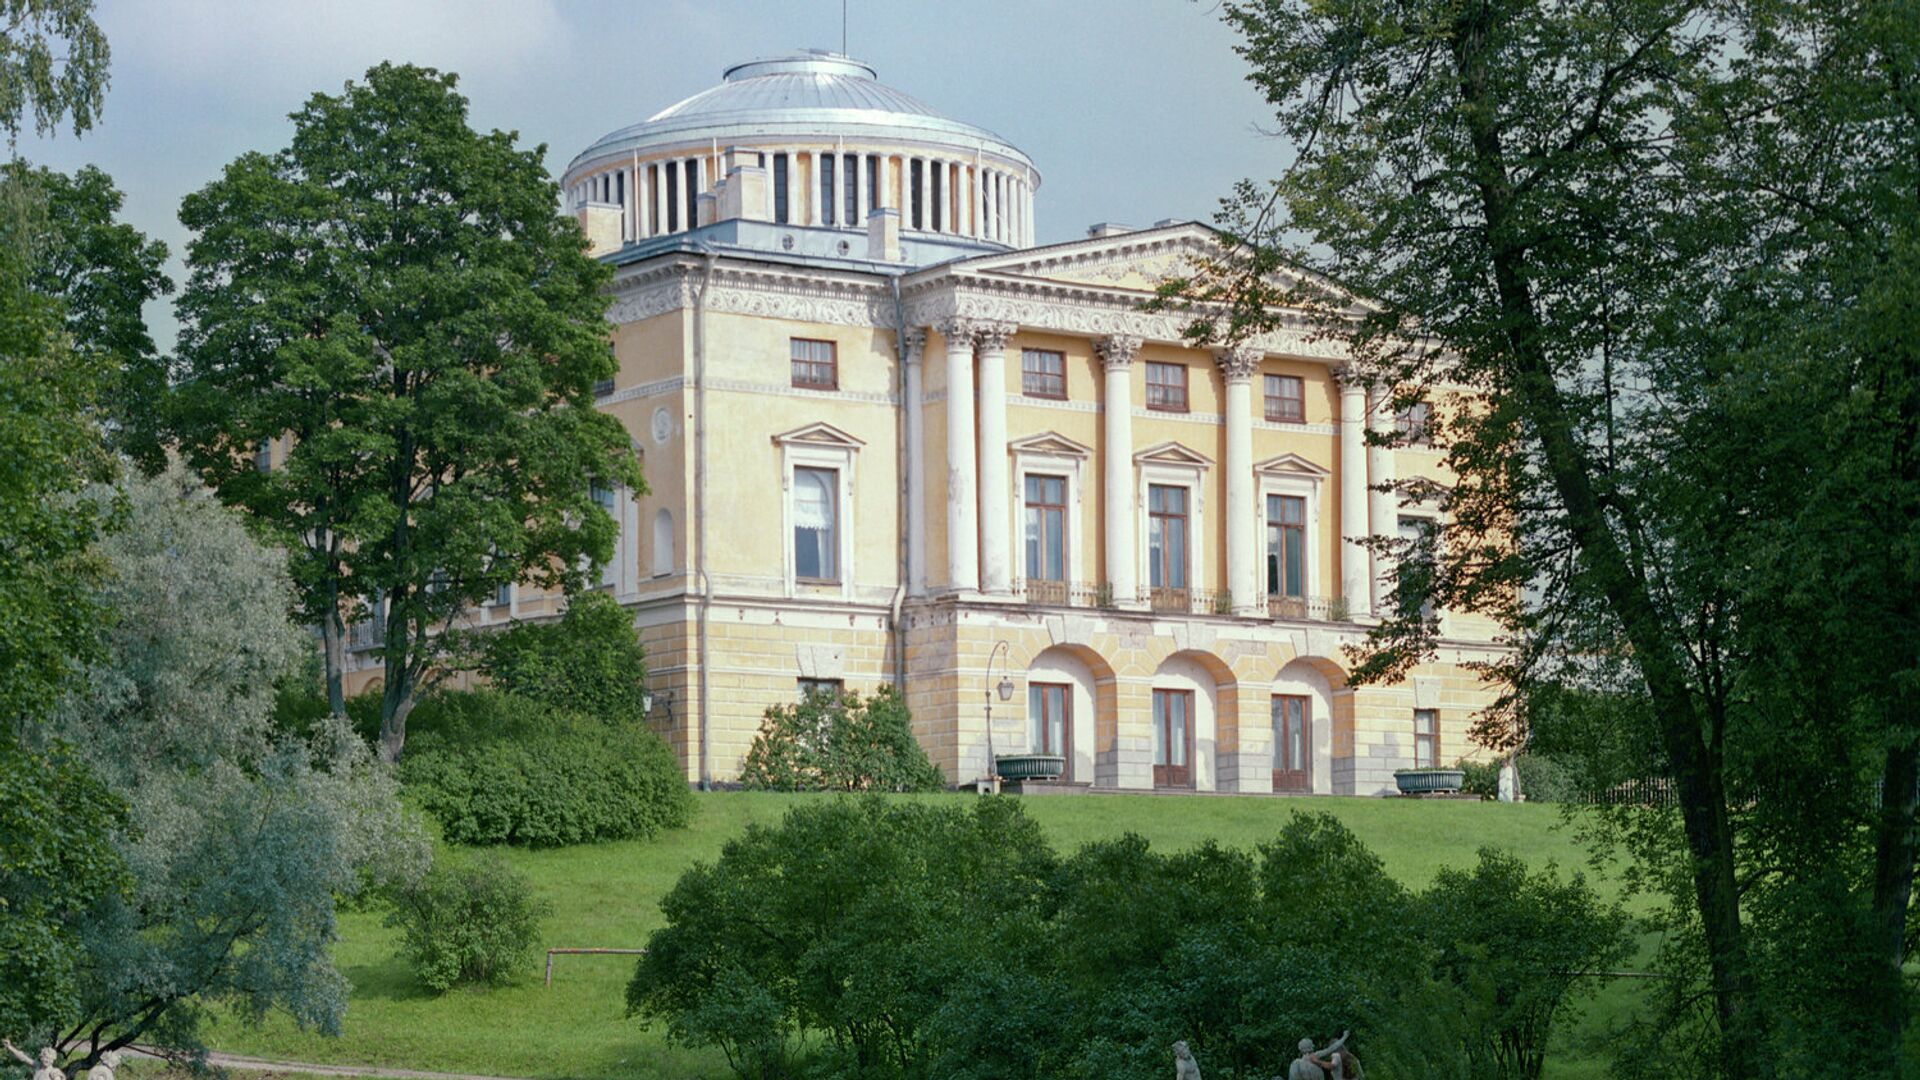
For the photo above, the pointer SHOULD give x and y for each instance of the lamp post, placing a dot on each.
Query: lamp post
(1005, 688)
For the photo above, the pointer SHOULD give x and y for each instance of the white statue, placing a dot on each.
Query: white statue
(1335, 1061)
(1509, 782)
(1184, 1067)
(109, 1064)
(48, 1056)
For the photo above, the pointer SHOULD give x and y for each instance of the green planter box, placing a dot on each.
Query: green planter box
(1031, 767)
(1429, 781)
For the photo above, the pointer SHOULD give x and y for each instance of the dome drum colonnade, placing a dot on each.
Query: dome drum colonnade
(759, 137)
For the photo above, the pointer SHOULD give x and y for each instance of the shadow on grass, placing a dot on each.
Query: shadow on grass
(388, 980)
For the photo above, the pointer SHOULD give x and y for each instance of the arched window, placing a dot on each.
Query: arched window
(662, 542)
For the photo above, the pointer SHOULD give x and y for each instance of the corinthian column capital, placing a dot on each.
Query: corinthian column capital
(915, 339)
(1348, 376)
(1117, 350)
(992, 336)
(957, 330)
(1238, 362)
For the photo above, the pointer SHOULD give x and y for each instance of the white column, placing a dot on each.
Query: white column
(912, 393)
(996, 499)
(1354, 575)
(963, 522)
(1237, 365)
(1383, 507)
(1116, 357)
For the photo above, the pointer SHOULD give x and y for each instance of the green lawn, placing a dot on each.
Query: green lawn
(607, 895)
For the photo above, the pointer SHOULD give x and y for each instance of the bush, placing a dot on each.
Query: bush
(902, 940)
(588, 662)
(1514, 942)
(473, 922)
(839, 742)
(495, 769)
(1541, 779)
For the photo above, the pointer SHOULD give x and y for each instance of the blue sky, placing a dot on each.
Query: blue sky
(1134, 110)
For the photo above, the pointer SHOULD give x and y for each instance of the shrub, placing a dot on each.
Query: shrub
(1514, 942)
(839, 742)
(473, 922)
(495, 769)
(588, 662)
(1541, 779)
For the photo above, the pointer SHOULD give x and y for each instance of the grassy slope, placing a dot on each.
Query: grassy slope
(607, 895)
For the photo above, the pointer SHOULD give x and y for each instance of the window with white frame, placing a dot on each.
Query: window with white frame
(816, 524)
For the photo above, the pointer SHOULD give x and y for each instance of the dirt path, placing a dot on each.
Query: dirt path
(250, 1064)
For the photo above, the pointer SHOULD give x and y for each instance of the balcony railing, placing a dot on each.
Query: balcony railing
(1086, 594)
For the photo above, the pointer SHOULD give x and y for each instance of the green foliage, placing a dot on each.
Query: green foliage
(102, 273)
(396, 298)
(1517, 945)
(588, 662)
(471, 922)
(496, 769)
(53, 61)
(839, 742)
(57, 859)
(881, 939)
(242, 840)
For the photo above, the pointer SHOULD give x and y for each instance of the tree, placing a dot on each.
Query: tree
(1590, 229)
(589, 661)
(240, 840)
(53, 60)
(102, 272)
(394, 303)
(839, 742)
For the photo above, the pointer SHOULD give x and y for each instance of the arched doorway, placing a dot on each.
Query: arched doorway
(1302, 714)
(1186, 709)
(1063, 709)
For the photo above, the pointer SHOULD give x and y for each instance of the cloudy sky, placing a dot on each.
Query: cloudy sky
(1134, 110)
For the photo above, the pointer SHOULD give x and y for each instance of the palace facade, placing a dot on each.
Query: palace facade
(888, 440)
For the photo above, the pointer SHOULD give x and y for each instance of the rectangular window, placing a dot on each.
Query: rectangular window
(780, 208)
(1043, 373)
(827, 162)
(1286, 399)
(653, 200)
(816, 524)
(939, 193)
(1291, 742)
(850, 168)
(1046, 537)
(814, 364)
(1426, 738)
(1049, 719)
(693, 193)
(1286, 546)
(826, 688)
(503, 596)
(602, 387)
(263, 456)
(673, 198)
(602, 496)
(1172, 738)
(1416, 568)
(913, 181)
(1167, 536)
(873, 183)
(1413, 421)
(1167, 387)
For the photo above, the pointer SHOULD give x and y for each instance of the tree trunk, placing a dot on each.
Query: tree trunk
(1695, 764)
(1893, 857)
(397, 696)
(333, 634)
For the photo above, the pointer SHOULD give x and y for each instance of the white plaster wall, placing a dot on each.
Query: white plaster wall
(1301, 678)
(1061, 666)
(1180, 673)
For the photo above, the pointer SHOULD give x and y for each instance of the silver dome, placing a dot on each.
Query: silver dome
(806, 96)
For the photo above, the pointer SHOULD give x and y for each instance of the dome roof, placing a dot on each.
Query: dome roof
(805, 95)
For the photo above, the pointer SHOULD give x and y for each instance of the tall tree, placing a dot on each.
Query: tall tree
(1635, 235)
(394, 304)
(240, 839)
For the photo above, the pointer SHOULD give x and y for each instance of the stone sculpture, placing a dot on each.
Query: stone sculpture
(45, 1069)
(109, 1064)
(1335, 1061)
(1184, 1067)
(1509, 782)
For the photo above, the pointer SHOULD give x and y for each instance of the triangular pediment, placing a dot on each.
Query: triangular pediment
(1290, 465)
(1172, 453)
(1136, 261)
(1050, 442)
(819, 434)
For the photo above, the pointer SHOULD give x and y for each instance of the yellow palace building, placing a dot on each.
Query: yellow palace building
(889, 440)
